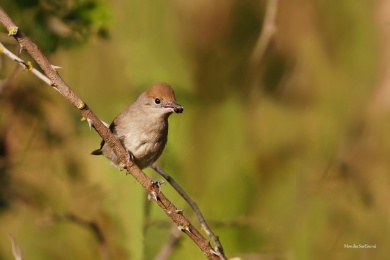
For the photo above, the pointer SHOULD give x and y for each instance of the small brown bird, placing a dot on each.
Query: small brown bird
(143, 126)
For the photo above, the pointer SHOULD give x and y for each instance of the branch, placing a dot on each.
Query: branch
(147, 183)
(267, 31)
(26, 65)
(173, 240)
(7, 82)
(195, 208)
(92, 226)
(16, 250)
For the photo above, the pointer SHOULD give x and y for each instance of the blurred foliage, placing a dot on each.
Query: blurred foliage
(286, 154)
(57, 24)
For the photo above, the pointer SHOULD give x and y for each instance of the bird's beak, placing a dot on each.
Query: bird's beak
(175, 106)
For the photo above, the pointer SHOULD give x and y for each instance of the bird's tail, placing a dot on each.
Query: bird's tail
(97, 152)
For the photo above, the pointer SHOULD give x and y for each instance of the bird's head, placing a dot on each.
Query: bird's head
(160, 99)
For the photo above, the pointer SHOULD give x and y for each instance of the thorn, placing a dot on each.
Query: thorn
(188, 229)
(91, 124)
(21, 48)
(179, 211)
(55, 67)
(184, 228)
(13, 31)
(107, 125)
(89, 121)
(180, 227)
(214, 252)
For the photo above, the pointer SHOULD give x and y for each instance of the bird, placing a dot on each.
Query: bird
(142, 127)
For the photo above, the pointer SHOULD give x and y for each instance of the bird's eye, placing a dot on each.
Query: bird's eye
(157, 101)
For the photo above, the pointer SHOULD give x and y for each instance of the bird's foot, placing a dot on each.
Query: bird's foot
(131, 156)
(122, 165)
(153, 195)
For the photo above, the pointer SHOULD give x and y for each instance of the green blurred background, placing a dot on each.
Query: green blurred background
(285, 152)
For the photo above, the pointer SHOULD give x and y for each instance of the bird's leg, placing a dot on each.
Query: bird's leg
(131, 156)
(122, 165)
(129, 153)
(158, 184)
(153, 194)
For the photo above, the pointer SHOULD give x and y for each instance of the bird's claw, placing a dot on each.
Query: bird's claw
(152, 195)
(158, 184)
(131, 156)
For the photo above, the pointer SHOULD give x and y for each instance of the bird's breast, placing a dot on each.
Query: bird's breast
(146, 142)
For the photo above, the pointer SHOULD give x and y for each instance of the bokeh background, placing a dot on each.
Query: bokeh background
(283, 143)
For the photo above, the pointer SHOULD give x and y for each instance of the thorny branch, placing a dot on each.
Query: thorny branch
(26, 65)
(60, 85)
